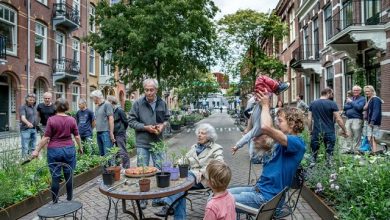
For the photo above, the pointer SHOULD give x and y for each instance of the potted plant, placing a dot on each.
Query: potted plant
(184, 163)
(174, 170)
(144, 183)
(163, 177)
(161, 148)
(111, 163)
(175, 124)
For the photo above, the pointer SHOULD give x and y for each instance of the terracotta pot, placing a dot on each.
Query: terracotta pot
(117, 172)
(144, 185)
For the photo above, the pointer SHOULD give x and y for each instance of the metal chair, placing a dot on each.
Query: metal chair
(59, 208)
(204, 192)
(266, 210)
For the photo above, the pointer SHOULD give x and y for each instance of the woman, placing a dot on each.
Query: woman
(60, 148)
(279, 105)
(199, 156)
(373, 116)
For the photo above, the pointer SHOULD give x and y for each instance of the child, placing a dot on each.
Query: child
(222, 204)
(265, 84)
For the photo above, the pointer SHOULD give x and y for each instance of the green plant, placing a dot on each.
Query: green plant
(183, 158)
(130, 145)
(128, 105)
(174, 158)
(159, 147)
(111, 158)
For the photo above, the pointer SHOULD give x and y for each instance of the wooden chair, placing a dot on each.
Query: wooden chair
(60, 208)
(266, 210)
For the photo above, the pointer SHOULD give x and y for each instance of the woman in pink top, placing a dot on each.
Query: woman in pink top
(222, 205)
(60, 147)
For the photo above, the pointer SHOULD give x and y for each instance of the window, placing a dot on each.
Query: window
(105, 67)
(286, 93)
(285, 43)
(292, 25)
(91, 61)
(306, 46)
(75, 97)
(42, 1)
(60, 46)
(316, 44)
(76, 6)
(293, 85)
(60, 90)
(91, 18)
(347, 13)
(40, 42)
(348, 74)
(76, 51)
(8, 28)
(328, 22)
(329, 77)
(372, 10)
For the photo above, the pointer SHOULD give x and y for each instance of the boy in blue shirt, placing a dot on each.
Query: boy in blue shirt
(287, 153)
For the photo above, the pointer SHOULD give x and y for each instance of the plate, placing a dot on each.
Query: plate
(136, 172)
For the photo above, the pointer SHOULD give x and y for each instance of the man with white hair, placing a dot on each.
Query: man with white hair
(104, 122)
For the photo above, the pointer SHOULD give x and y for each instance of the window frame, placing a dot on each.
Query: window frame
(328, 26)
(329, 71)
(43, 2)
(57, 92)
(91, 13)
(14, 31)
(292, 34)
(75, 95)
(76, 49)
(44, 37)
(91, 61)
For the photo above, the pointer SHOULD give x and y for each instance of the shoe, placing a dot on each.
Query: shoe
(164, 212)
(143, 204)
(158, 202)
(283, 86)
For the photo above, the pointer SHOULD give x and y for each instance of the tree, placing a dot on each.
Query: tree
(245, 29)
(163, 39)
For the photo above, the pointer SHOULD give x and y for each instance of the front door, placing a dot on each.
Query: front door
(4, 113)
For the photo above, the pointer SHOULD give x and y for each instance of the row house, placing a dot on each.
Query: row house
(45, 51)
(337, 44)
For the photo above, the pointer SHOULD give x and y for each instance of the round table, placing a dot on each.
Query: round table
(128, 189)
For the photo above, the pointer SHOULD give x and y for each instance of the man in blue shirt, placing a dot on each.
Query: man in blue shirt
(324, 112)
(85, 120)
(287, 153)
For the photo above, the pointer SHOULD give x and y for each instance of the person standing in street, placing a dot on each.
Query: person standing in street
(104, 122)
(85, 119)
(120, 126)
(28, 124)
(301, 104)
(353, 109)
(45, 110)
(322, 114)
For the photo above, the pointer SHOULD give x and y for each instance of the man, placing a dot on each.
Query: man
(85, 119)
(353, 109)
(281, 165)
(45, 110)
(28, 123)
(120, 126)
(149, 116)
(301, 104)
(323, 112)
(104, 122)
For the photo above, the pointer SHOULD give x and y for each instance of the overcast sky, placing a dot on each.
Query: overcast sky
(231, 6)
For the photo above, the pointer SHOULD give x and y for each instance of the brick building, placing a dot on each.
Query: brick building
(47, 54)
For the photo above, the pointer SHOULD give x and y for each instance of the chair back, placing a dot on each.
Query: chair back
(46, 173)
(267, 210)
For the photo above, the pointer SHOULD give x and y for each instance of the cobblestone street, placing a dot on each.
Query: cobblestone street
(96, 204)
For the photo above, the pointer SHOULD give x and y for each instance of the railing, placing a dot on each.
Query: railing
(307, 52)
(65, 65)
(3, 47)
(357, 13)
(70, 13)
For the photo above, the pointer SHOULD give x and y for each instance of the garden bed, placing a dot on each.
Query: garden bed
(317, 204)
(24, 207)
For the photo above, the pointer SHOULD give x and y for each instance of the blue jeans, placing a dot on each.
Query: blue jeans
(66, 155)
(180, 207)
(247, 195)
(329, 139)
(143, 157)
(103, 141)
(28, 139)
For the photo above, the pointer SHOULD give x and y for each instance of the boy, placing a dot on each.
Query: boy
(221, 205)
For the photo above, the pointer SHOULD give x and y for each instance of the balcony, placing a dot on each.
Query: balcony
(355, 22)
(65, 70)
(3, 50)
(306, 58)
(66, 17)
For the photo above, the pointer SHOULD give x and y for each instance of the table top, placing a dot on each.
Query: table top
(130, 189)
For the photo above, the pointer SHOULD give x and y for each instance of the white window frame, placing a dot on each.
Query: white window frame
(292, 25)
(43, 35)
(293, 85)
(76, 6)
(325, 28)
(76, 51)
(105, 69)
(286, 93)
(44, 2)
(91, 58)
(14, 30)
(91, 12)
(60, 90)
(75, 94)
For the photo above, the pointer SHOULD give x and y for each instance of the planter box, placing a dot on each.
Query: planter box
(28, 205)
(318, 205)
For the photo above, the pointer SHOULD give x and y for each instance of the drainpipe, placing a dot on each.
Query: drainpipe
(28, 45)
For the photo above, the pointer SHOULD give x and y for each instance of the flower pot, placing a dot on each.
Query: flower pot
(144, 185)
(175, 127)
(174, 173)
(117, 172)
(183, 170)
(108, 178)
(166, 166)
(163, 179)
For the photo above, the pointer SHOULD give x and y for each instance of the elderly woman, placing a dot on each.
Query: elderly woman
(199, 157)
(373, 116)
(60, 147)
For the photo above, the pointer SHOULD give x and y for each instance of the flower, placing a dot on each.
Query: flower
(333, 176)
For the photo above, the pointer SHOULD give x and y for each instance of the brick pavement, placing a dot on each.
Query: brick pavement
(96, 204)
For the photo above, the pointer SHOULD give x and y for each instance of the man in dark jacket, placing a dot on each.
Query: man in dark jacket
(353, 109)
(120, 126)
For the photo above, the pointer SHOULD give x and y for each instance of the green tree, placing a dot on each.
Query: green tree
(164, 39)
(245, 29)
